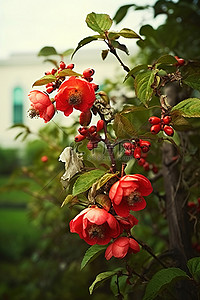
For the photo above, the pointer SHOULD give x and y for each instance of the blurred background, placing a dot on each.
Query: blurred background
(39, 259)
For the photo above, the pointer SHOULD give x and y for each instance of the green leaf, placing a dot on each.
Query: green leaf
(161, 280)
(84, 42)
(194, 267)
(123, 127)
(189, 108)
(92, 253)
(67, 72)
(167, 59)
(143, 82)
(101, 278)
(67, 52)
(193, 81)
(99, 22)
(179, 122)
(44, 80)
(136, 70)
(113, 35)
(106, 177)
(129, 34)
(120, 46)
(46, 51)
(121, 12)
(67, 200)
(86, 180)
(104, 54)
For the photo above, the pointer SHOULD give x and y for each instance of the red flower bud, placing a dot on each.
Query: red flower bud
(95, 86)
(168, 130)
(155, 128)
(137, 153)
(70, 66)
(85, 118)
(166, 120)
(145, 146)
(62, 65)
(88, 72)
(53, 71)
(83, 131)
(100, 125)
(155, 169)
(154, 120)
(90, 145)
(79, 138)
(50, 89)
(146, 166)
(127, 146)
(47, 73)
(92, 129)
(128, 152)
(180, 61)
(141, 161)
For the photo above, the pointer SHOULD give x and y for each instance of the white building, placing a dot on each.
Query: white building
(17, 76)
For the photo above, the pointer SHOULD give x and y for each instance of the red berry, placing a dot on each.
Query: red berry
(180, 61)
(141, 161)
(154, 120)
(70, 66)
(168, 130)
(83, 131)
(146, 166)
(62, 65)
(166, 120)
(128, 152)
(92, 129)
(88, 73)
(90, 145)
(44, 158)
(137, 153)
(85, 118)
(127, 146)
(50, 89)
(53, 71)
(79, 138)
(95, 86)
(100, 125)
(155, 128)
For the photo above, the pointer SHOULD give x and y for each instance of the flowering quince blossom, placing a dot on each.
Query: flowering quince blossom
(41, 105)
(126, 223)
(121, 246)
(75, 93)
(126, 194)
(95, 226)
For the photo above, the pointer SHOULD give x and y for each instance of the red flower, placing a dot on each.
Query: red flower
(126, 194)
(121, 246)
(126, 223)
(75, 93)
(95, 226)
(41, 105)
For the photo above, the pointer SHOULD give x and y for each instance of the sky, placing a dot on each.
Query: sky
(28, 25)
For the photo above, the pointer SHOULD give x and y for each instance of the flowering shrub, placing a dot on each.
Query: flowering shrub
(109, 193)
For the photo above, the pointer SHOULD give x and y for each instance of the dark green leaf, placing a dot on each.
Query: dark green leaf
(179, 122)
(84, 42)
(104, 54)
(143, 83)
(193, 81)
(123, 127)
(112, 35)
(129, 34)
(167, 59)
(189, 108)
(68, 72)
(99, 22)
(46, 51)
(86, 180)
(161, 280)
(101, 278)
(136, 70)
(106, 177)
(121, 12)
(122, 282)
(44, 80)
(119, 46)
(18, 135)
(68, 52)
(194, 267)
(92, 253)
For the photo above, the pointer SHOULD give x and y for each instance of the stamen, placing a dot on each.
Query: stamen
(75, 97)
(133, 198)
(96, 231)
(33, 113)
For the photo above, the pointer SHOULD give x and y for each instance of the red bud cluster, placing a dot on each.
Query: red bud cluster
(136, 148)
(146, 165)
(91, 134)
(194, 207)
(180, 61)
(161, 124)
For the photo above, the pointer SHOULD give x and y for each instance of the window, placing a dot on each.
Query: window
(17, 105)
